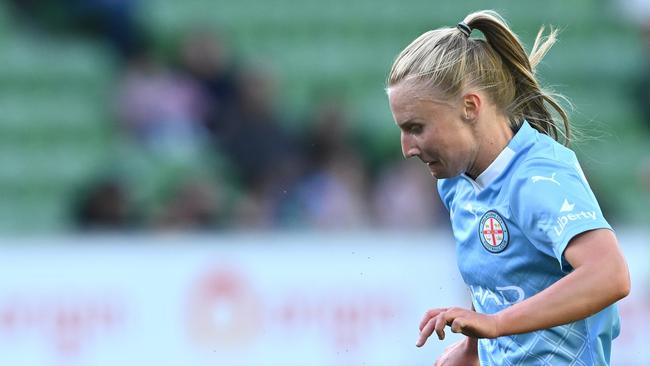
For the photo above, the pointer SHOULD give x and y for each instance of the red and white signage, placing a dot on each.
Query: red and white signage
(243, 300)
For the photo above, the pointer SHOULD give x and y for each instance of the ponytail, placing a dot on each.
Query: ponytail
(531, 101)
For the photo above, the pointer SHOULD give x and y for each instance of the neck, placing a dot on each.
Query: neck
(493, 135)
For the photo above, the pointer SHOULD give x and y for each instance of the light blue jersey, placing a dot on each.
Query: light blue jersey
(512, 225)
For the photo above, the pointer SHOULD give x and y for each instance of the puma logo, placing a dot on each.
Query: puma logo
(537, 178)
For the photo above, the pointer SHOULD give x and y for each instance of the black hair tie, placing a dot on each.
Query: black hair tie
(464, 28)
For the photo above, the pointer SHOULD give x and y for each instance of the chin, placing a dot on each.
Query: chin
(438, 174)
(443, 174)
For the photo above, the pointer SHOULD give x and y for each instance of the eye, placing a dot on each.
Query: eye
(414, 129)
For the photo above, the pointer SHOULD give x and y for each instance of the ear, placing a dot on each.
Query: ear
(471, 106)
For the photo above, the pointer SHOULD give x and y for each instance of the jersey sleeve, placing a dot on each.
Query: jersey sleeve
(552, 202)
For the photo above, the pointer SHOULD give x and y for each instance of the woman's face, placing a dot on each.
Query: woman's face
(441, 134)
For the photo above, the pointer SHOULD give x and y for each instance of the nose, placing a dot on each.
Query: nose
(409, 147)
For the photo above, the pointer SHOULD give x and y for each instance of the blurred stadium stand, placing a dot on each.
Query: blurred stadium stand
(53, 129)
(349, 46)
(57, 130)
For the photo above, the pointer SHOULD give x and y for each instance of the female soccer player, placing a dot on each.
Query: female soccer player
(543, 266)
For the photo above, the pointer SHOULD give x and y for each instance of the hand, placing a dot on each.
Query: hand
(462, 353)
(468, 322)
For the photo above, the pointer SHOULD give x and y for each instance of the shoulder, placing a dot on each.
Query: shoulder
(552, 167)
(546, 177)
(551, 201)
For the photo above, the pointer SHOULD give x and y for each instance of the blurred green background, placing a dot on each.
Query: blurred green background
(62, 134)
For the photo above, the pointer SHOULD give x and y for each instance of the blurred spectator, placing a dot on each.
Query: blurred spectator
(252, 135)
(398, 201)
(161, 109)
(111, 20)
(194, 204)
(268, 203)
(328, 131)
(333, 190)
(334, 196)
(205, 56)
(104, 206)
(255, 210)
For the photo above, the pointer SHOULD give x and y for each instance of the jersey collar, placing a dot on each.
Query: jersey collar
(520, 140)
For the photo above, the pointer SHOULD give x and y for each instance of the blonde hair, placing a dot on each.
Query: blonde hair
(447, 61)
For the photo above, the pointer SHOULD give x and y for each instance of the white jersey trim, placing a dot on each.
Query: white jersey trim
(493, 170)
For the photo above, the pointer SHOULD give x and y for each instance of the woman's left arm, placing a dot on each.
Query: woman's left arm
(600, 278)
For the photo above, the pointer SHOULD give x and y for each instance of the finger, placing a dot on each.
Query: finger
(440, 324)
(426, 332)
(425, 319)
(427, 316)
(458, 325)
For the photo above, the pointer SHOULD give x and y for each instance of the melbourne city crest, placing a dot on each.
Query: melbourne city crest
(493, 232)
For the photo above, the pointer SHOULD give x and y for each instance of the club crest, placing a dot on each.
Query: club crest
(493, 232)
